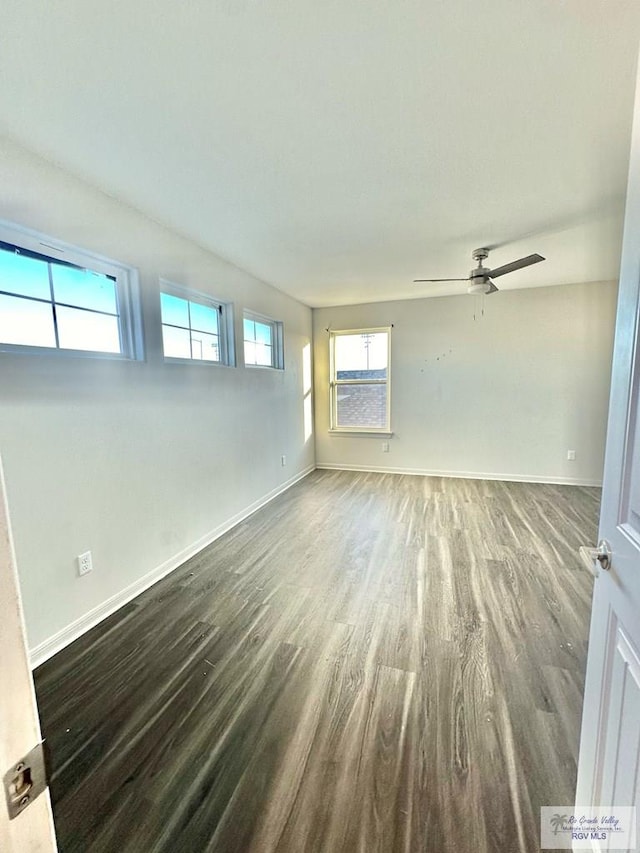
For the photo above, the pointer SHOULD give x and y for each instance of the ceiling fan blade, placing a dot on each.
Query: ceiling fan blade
(422, 280)
(516, 265)
(492, 287)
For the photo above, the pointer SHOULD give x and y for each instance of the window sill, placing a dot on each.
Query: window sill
(169, 359)
(263, 367)
(58, 352)
(362, 433)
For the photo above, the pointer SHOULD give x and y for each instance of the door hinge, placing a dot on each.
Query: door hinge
(25, 781)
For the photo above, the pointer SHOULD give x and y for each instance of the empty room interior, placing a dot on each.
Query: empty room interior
(307, 321)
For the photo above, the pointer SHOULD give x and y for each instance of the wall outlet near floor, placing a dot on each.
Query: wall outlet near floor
(571, 455)
(385, 446)
(283, 460)
(85, 563)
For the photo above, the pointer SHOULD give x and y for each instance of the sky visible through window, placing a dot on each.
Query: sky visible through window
(50, 304)
(258, 343)
(360, 352)
(190, 329)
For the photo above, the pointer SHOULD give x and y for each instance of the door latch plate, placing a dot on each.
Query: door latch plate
(25, 781)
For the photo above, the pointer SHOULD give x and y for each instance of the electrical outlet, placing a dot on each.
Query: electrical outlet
(385, 446)
(283, 460)
(571, 455)
(85, 563)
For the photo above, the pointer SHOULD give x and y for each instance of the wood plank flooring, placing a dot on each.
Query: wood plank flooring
(370, 663)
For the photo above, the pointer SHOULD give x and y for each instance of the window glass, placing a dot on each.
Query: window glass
(263, 343)
(362, 406)
(249, 330)
(26, 276)
(63, 303)
(84, 330)
(359, 385)
(205, 347)
(264, 355)
(176, 342)
(193, 326)
(26, 322)
(84, 289)
(363, 353)
(204, 318)
(175, 311)
(263, 333)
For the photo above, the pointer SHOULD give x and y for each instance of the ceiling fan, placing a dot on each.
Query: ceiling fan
(481, 278)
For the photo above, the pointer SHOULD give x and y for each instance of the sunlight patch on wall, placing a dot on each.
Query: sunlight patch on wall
(307, 408)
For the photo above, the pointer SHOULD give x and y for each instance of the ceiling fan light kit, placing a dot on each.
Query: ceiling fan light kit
(481, 277)
(482, 287)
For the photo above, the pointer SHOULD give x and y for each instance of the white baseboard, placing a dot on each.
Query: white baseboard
(466, 475)
(43, 651)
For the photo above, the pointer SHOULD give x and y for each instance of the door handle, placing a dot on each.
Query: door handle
(592, 556)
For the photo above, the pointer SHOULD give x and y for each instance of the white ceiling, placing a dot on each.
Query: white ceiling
(340, 149)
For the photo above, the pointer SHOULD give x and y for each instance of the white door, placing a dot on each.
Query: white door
(32, 830)
(609, 764)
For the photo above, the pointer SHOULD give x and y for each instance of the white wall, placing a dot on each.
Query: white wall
(505, 395)
(138, 462)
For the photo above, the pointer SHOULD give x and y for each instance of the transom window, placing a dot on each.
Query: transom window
(359, 383)
(193, 325)
(263, 344)
(64, 301)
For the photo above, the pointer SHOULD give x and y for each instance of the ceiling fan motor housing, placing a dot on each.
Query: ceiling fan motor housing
(479, 272)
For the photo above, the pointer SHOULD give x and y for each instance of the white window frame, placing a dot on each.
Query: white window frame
(127, 293)
(277, 337)
(225, 323)
(335, 384)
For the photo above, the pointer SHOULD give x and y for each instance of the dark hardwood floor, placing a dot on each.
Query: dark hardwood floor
(370, 663)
